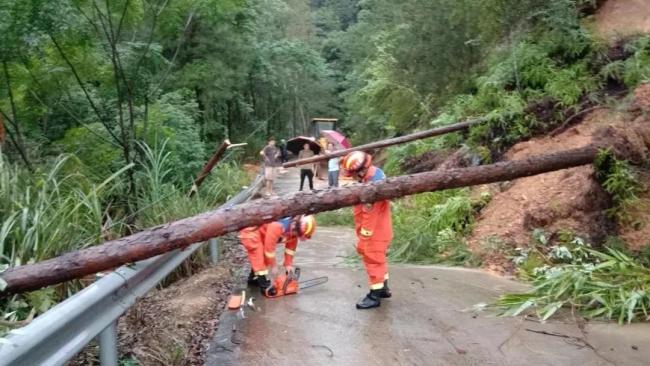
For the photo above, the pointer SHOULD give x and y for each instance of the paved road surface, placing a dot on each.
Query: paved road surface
(427, 322)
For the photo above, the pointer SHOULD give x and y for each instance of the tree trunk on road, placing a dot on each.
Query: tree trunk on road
(389, 142)
(211, 224)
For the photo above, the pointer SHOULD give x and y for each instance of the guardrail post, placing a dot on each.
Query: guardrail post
(108, 345)
(214, 250)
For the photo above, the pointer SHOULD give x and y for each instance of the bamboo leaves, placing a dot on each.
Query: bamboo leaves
(608, 284)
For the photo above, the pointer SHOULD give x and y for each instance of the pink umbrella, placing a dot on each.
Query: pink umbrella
(340, 141)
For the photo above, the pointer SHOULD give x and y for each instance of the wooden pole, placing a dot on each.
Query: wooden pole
(389, 142)
(180, 234)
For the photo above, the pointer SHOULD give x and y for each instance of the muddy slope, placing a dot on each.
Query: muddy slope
(570, 199)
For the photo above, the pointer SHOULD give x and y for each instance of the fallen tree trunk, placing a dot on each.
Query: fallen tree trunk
(211, 224)
(389, 142)
(208, 167)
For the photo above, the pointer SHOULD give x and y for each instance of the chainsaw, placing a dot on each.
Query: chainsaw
(288, 284)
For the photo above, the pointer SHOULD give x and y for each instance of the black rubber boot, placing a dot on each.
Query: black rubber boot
(252, 278)
(265, 285)
(370, 301)
(385, 293)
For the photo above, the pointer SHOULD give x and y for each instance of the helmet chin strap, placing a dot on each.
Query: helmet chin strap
(296, 222)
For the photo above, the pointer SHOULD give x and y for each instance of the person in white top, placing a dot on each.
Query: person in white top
(332, 167)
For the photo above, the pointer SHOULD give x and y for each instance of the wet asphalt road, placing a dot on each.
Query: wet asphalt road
(428, 321)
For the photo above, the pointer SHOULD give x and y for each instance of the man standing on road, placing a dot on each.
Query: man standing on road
(307, 169)
(373, 226)
(270, 155)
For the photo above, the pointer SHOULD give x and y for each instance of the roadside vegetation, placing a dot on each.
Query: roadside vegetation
(50, 212)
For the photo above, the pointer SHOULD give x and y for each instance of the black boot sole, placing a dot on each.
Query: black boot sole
(360, 307)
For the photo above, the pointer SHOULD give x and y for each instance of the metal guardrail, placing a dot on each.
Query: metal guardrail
(56, 336)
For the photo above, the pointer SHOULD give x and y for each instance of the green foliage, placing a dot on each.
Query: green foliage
(340, 217)
(608, 285)
(173, 118)
(90, 144)
(619, 180)
(637, 67)
(51, 212)
(396, 155)
(429, 228)
(162, 201)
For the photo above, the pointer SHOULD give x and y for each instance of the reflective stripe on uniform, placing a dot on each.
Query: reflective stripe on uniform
(262, 273)
(377, 286)
(365, 232)
(269, 255)
(289, 252)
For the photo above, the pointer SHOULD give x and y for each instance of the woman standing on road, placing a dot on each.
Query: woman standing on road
(332, 167)
(306, 170)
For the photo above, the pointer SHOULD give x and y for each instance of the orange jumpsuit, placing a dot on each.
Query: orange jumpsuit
(260, 243)
(374, 230)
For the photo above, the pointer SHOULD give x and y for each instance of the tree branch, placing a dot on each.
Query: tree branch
(14, 122)
(12, 138)
(85, 91)
(173, 60)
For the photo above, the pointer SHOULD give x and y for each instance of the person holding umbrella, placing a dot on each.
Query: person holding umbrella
(306, 170)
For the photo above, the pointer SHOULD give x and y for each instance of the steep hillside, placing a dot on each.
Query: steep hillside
(565, 200)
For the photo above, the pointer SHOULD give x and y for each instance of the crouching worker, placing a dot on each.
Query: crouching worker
(260, 243)
(373, 227)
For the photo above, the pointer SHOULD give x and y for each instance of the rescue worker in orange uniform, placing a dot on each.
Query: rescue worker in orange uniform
(373, 226)
(260, 243)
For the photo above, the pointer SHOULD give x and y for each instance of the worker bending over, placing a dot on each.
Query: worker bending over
(260, 243)
(373, 226)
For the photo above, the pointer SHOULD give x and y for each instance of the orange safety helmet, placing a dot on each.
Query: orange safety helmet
(305, 225)
(354, 162)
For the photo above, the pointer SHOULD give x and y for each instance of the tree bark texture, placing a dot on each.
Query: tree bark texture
(389, 142)
(208, 167)
(180, 234)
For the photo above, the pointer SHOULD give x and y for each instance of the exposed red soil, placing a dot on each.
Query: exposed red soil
(569, 199)
(619, 18)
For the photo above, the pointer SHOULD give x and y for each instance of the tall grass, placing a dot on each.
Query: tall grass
(44, 215)
(57, 210)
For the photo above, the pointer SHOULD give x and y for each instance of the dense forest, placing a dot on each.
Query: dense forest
(110, 108)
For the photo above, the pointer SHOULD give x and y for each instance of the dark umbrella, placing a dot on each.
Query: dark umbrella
(297, 143)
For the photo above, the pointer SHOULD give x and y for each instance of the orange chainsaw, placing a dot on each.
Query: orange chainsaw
(288, 284)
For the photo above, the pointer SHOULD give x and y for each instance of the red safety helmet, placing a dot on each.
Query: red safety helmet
(354, 162)
(305, 225)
